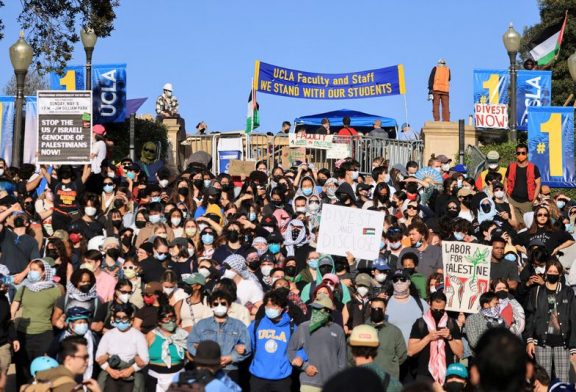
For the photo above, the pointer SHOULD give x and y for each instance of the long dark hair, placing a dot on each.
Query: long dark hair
(548, 226)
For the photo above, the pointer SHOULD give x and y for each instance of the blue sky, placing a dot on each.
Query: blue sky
(207, 49)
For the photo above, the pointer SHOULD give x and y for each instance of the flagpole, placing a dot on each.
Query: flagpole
(249, 137)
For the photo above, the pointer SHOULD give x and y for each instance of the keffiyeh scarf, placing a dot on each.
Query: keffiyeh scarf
(437, 363)
(43, 284)
(301, 240)
(178, 339)
(73, 293)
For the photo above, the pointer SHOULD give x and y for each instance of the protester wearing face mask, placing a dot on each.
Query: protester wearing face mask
(146, 318)
(505, 213)
(170, 287)
(90, 225)
(456, 378)
(493, 166)
(249, 289)
(430, 256)
(329, 191)
(234, 244)
(122, 352)
(381, 271)
(487, 317)
(167, 350)
(358, 309)
(550, 323)
(510, 309)
(264, 271)
(296, 242)
(154, 266)
(155, 220)
(345, 196)
(502, 268)
(122, 295)
(195, 307)
(435, 341)
(92, 261)
(444, 166)
(67, 191)
(309, 272)
(234, 340)
(37, 297)
(326, 266)
(131, 272)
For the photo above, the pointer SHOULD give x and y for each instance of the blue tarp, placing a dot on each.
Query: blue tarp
(358, 119)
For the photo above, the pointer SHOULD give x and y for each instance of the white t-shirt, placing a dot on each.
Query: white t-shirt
(99, 149)
(249, 291)
(124, 344)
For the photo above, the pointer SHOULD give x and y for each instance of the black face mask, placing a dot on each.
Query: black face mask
(254, 265)
(340, 267)
(552, 278)
(127, 241)
(183, 191)
(117, 222)
(454, 386)
(322, 181)
(233, 236)
(118, 203)
(485, 208)
(325, 269)
(140, 224)
(437, 314)
(199, 184)
(53, 253)
(113, 253)
(410, 270)
(344, 198)
(290, 271)
(383, 198)
(377, 315)
(295, 234)
(467, 201)
(502, 294)
(452, 213)
(85, 288)
(19, 221)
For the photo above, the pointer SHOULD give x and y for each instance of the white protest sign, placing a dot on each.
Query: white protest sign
(302, 139)
(466, 274)
(338, 151)
(354, 230)
(64, 127)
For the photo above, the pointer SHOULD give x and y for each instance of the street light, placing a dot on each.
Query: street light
(572, 66)
(88, 38)
(21, 58)
(511, 40)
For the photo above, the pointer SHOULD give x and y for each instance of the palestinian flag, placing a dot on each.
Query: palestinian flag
(546, 45)
(252, 117)
(368, 231)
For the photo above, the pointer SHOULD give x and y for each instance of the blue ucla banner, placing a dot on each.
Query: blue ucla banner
(534, 88)
(287, 82)
(108, 89)
(6, 127)
(551, 144)
(491, 98)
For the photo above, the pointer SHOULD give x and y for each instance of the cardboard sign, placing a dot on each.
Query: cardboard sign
(64, 127)
(301, 139)
(466, 274)
(291, 155)
(241, 168)
(339, 151)
(354, 230)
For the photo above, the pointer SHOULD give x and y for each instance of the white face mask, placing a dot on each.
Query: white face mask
(90, 211)
(175, 221)
(386, 177)
(124, 298)
(220, 310)
(395, 245)
(493, 166)
(229, 274)
(499, 194)
(266, 269)
(168, 290)
(380, 278)
(362, 291)
(163, 183)
(300, 209)
(446, 167)
(540, 270)
(205, 272)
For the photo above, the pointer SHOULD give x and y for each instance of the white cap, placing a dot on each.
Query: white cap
(442, 61)
(168, 86)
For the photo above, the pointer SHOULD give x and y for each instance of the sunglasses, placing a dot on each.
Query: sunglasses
(411, 208)
(539, 215)
(108, 183)
(520, 152)
(121, 320)
(216, 303)
(125, 291)
(163, 253)
(83, 357)
(399, 279)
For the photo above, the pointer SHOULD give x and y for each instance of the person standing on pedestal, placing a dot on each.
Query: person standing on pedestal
(439, 90)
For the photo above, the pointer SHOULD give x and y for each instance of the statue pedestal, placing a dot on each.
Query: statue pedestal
(173, 158)
(442, 138)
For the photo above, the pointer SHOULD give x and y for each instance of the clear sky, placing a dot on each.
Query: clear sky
(207, 49)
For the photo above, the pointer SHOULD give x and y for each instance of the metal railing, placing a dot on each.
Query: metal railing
(274, 150)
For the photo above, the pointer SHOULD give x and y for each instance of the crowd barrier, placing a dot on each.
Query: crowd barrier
(274, 149)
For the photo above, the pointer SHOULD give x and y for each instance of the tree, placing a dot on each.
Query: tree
(551, 12)
(53, 27)
(34, 82)
(1, 24)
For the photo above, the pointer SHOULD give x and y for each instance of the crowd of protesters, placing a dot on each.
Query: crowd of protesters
(123, 278)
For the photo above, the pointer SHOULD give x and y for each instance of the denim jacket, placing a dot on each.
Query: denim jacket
(227, 334)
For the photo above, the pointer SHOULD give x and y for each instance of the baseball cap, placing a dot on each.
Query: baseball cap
(492, 156)
(323, 301)
(443, 158)
(458, 370)
(364, 336)
(463, 192)
(99, 129)
(364, 187)
(497, 185)
(325, 261)
(460, 168)
(381, 264)
(208, 353)
(196, 278)
(363, 280)
(152, 288)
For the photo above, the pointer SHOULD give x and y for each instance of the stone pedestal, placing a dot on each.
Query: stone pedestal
(442, 138)
(173, 157)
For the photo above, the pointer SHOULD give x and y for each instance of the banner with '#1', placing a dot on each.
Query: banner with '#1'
(551, 144)
(108, 89)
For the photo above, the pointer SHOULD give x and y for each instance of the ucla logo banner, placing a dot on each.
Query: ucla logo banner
(6, 127)
(287, 82)
(551, 144)
(491, 98)
(534, 88)
(108, 89)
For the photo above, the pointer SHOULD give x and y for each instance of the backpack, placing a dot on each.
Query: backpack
(49, 385)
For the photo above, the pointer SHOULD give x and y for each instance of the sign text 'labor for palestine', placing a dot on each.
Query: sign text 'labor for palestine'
(64, 127)
(380, 82)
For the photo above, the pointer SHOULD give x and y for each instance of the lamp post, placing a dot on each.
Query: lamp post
(88, 38)
(572, 66)
(21, 58)
(511, 40)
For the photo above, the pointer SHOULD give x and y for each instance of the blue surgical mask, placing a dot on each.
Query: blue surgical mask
(207, 183)
(307, 191)
(81, 329)
(560, 204)
(418, 244)
(154, 219)
(108, 188)
(207, 239)
(272, 313)
(274, 248)
(156, 199)
(252, 216)
(160, 257)
(122, 325)
(459, 236)
(34, 276)
(510, 257)
(131, 175)
(313, 263)
(569, 227)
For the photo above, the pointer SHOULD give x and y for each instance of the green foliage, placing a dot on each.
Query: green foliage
(53, 27)
(551, 12)
(145, 131)
(1, 24)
